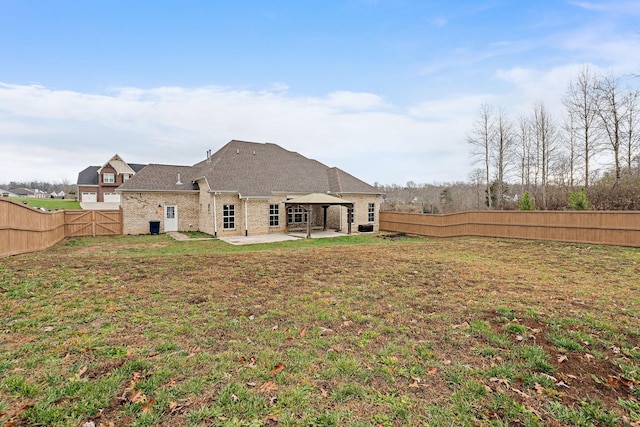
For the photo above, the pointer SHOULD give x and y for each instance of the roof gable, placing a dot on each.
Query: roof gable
(119, 165)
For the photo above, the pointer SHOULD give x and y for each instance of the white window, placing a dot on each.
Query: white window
(229, 217)
(296, 215)
(126, 177)
(372, 212)
(274, 215)
(108, 178)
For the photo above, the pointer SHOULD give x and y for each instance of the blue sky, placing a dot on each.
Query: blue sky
(384, 89)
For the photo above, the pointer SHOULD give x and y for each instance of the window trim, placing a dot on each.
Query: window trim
(229, 216)
(108, 174)
(274, 215)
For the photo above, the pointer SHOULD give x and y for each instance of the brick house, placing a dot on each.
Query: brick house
(99, 183)
(248, 188)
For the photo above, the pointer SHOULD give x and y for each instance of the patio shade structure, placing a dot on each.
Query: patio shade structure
(324, 200)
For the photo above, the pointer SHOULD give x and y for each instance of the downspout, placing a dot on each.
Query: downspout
(246, 216)
(215, 217)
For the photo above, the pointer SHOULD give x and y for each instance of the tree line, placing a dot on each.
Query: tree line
(595, 145)
(45, 186)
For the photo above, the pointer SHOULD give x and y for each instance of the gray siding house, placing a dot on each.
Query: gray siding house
(248, 188)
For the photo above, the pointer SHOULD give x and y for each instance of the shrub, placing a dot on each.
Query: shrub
(578, 200)
(527, 203)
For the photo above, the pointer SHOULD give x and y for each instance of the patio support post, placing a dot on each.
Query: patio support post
(308, 207)
(324, 221)
(349, 214)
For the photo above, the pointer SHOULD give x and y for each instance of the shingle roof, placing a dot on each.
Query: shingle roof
(162, 178)
(255, 170)
(88, 176)
(318, 199)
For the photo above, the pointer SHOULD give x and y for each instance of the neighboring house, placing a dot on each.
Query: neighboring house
(27, 192)
(248, 188)
(99, 183)
(7, 193)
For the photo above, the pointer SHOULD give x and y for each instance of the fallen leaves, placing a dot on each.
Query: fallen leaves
(14, 414)
(147, 406)
(177, 407)
(268, 387)
(194, 350)
(133, 395)
(278, 368)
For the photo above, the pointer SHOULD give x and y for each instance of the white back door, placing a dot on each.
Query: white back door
(170, 218)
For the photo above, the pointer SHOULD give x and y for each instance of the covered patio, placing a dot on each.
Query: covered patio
(309, 201)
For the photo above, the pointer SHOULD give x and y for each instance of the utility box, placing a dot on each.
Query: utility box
(154, 227)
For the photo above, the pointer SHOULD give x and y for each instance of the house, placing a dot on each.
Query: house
(248, 188)
(99, 183)
(27, 192)
(7, 193)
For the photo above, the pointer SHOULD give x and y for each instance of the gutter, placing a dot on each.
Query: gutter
(215, 215)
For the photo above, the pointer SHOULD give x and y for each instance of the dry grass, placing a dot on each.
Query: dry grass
(146, 331)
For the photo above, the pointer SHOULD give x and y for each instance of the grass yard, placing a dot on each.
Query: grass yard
(358, 331)
(50, 204)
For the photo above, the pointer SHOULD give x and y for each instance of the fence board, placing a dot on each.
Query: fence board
(621, 228)
(24, 229)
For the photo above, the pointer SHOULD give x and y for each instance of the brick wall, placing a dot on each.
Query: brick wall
(196, 212)
(140, 208)
(361, 211)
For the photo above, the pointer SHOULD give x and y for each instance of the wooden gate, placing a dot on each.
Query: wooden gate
(92, 223)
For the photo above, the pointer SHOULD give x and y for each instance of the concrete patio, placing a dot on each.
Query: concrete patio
(280, 237)
(263, 238)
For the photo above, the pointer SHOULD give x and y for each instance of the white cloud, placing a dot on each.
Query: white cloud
(49, 133)
(439, 22)
(624, 6)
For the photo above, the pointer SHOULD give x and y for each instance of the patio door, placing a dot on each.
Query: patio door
(170, 218)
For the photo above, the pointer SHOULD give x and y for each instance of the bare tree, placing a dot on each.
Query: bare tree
(581, 107)
(502, 143)
(613, 108)
(476, 177)
(570, 141)
(631, 128)
(480, 139)
(524, 152)
(544, 134)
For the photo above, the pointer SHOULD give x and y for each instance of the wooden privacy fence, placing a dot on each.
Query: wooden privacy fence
(620, 228)
(24, 229)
